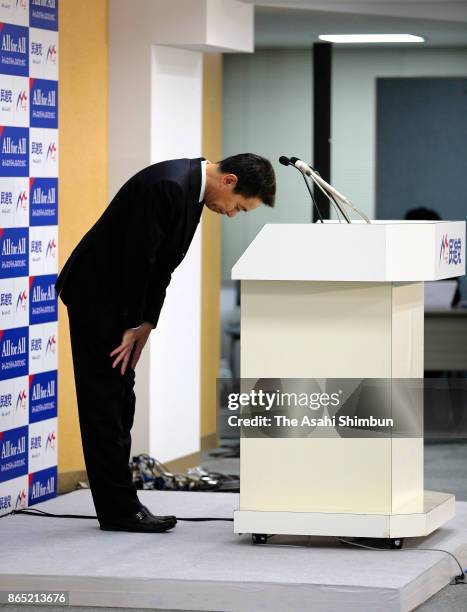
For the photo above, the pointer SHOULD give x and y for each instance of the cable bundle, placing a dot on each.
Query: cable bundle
(150, 474)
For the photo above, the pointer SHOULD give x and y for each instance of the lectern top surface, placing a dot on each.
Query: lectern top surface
(382, 251)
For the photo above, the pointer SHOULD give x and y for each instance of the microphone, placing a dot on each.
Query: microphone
(328, 190)
(336, 198)
(298, 163)
(285, 161)
(301, 165)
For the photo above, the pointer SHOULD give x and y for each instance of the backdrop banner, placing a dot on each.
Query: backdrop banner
(28, 251)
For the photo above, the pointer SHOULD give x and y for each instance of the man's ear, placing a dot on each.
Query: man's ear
(230, 179)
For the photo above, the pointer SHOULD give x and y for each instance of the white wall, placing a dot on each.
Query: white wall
(175, 368)
(155, 102)
(267, 110)
(155, 107)
(353, 123)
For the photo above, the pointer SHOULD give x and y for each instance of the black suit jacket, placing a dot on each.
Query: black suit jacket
(124, 263)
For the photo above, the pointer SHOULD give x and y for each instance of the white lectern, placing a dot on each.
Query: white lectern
(339, 300)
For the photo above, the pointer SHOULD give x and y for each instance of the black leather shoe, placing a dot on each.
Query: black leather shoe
(142, 521)
(170, 517)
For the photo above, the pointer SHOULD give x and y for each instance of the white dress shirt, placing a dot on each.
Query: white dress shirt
(204, 163)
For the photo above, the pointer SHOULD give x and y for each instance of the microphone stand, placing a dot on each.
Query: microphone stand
(313, 174)
(285, 161)
(312, 196)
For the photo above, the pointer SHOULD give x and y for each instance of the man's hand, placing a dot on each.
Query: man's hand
(136, 338)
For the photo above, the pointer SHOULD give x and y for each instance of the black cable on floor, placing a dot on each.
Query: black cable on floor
(201, 519)
(37, 512)
(459, 579)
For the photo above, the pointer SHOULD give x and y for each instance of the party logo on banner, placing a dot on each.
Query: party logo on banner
(42, 348)
(14, 410)
(43, 159)
(14, 100)
(14, 494)
(13, 453)
(43, 196)
(14, 49)
(42, 396)
(14, 11)
(42, 444)
(14, 302)
(14, 202)
(43, 54)
(43, 301)
(13, 252)
(44, 103)
(42, 485)
(13, 352)
(14, 149)
(43, 14)
(6, 504)
(43, 250)
(21, 499)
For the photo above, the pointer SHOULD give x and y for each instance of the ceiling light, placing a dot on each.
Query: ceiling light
(371, 38)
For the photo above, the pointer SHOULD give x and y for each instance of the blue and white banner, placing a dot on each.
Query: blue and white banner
(14, 494)
(14, 100)
(14, 252)
(43, 250)
(15, 12)
(14, 150)
(44, 103)
(43, 198)
(43, 54)
(14, 202)
(14, 302)
(42, 396)
(14, 49)
(29, 152)
(14, 411)
(42, 485)
(13, 453)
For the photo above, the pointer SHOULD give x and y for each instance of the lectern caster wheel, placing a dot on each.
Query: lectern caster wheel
(396, 543)
(259, 538)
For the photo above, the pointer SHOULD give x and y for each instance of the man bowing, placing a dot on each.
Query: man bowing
(114, 284)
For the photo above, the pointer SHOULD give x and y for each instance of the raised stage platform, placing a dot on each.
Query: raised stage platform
(205, 566)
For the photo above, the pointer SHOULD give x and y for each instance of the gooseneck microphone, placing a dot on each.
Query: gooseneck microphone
(315, 176)
(302, 166)
(285, 161)
(298, 163)
(338, 201)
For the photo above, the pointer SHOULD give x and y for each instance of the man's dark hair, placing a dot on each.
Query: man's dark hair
(256, 178)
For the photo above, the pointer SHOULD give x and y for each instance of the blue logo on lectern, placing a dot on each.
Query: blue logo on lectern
(451, 250)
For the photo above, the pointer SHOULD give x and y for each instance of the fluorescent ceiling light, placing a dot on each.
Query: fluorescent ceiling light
(371, 38)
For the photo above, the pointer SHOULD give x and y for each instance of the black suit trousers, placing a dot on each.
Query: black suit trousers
(106, 407)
